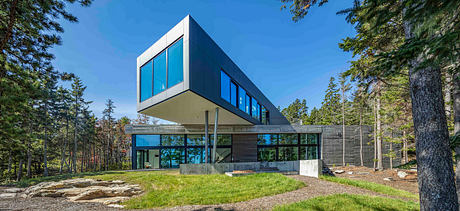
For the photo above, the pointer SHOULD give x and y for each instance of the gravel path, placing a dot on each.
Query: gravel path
(47, 203)
(315, 187)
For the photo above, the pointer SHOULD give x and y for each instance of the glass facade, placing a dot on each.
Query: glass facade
(264, 116)
(172, 157)
(172, 140)
(147, 140)
(163, 71)
(169, 151)
(255, 109)
(238, 97)
(224, 86)
(146, 81)
(241, 99)
(175, 63)
(159, 73)
(287, 147)
(233, 94)
(248, 104)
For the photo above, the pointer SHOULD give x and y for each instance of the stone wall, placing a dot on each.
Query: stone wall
(331, 147)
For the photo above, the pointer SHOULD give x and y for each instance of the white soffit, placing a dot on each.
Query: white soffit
(189, 108)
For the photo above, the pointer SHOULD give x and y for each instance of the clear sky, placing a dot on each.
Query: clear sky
(285, 60)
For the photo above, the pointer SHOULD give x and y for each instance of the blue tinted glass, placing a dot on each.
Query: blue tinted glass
(159, 73)
(146, 81)
(258, 111)
(248, 104)
(175, 64)
(172, 140)
(147, 140)
(224, 86)
(171, 158)
(267, 139)
(241, 99)
(254, 108)
(195, 155)
(233, 90)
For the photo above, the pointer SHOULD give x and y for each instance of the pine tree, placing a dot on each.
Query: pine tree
(330, 106)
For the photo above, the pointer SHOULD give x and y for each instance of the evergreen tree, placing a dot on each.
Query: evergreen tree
(296, 112)
(330, 107)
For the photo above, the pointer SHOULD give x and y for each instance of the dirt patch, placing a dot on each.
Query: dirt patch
(409, 183)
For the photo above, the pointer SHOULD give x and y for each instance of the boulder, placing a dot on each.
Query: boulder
(13, 190)
(7, 195)
(82, 190)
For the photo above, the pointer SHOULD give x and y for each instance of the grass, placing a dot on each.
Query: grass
(350, 202)
(168, 188)
(379, 188)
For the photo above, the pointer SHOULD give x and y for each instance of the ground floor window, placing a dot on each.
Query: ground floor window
(169, 151)
(287, 147)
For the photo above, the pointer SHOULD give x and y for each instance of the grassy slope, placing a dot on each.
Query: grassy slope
(379, 188)
(350, 202)
(168, 188)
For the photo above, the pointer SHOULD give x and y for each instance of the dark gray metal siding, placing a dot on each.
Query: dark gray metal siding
(206, 61)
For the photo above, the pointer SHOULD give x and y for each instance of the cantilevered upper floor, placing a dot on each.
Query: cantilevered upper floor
(185, 73)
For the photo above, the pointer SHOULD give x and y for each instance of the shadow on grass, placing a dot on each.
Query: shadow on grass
(33, 181)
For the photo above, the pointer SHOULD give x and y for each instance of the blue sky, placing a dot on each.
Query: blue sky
(286, 60)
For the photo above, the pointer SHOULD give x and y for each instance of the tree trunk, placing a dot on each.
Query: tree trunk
(434, 156)
(457, 125)
(74, 154)
(29, 161)
(448, 96)
(343, 126)
(406, 159)
(10, 162)
(375, 135)
(19, 175)
(379, 131)
(361, 137)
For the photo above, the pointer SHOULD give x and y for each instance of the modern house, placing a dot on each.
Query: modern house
(185, 77)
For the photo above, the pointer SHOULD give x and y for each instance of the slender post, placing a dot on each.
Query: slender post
(206, 135)
(214, 146)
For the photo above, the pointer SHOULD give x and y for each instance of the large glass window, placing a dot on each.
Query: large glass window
(172, 140)
(159, 73)
(147, 140)
(288, 138)
(224, 86)
(148, 159)
(267, 139)
(195, 155)
(195, 140)
(222, 139)
(233, 91)
(288, 153)
(308, 138)
(266, 154)
(241, 99)
(146, 81)
(308, 152)
(248, 104)
(254, 105)
(175, 64)
(264, 117)
(223, 155)
(287, 147)
(172, 157)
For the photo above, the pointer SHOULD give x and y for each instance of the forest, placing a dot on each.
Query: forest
(46, 126)
(404, 80)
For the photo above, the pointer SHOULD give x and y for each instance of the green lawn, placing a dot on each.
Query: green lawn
(351, 202)
(379, 188)
(168, 188)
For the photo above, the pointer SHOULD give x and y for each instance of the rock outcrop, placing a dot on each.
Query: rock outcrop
(80, 190)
